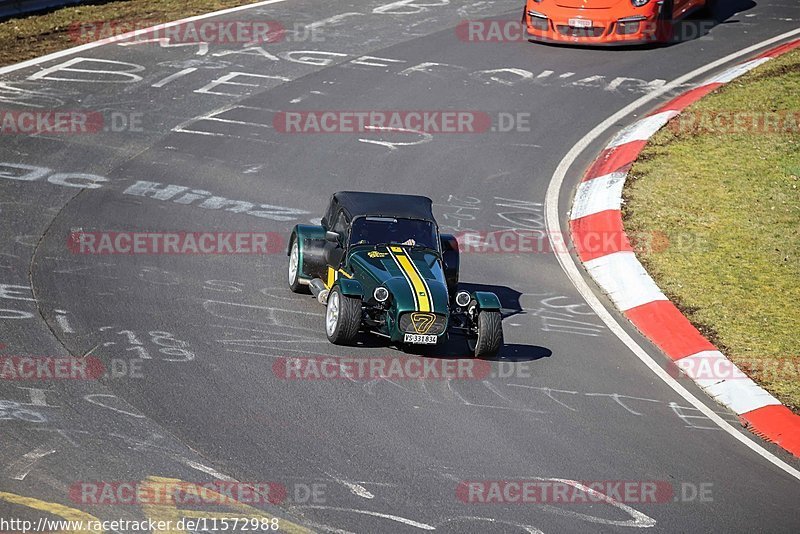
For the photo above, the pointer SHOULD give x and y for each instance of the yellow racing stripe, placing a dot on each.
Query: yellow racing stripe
(416, 282)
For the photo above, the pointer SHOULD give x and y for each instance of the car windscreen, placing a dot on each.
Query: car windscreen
(376, 230)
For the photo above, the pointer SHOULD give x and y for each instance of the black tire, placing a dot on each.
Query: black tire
(342, 329)
(294, 278)
(710, 9)
(668, 10)
(490, 334)
(666, 24)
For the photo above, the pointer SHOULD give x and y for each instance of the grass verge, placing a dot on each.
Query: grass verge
(727, 197)
(32, 36)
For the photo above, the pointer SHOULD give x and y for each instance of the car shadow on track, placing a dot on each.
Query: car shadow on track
(699, 24)
(457, 348)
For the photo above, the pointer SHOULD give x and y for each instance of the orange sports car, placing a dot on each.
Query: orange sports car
(606, 22)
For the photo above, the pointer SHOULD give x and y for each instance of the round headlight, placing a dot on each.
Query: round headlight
(381, 294)
(639, 3)
(462, 298)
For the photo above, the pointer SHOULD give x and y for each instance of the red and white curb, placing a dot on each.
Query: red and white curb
(596, 215)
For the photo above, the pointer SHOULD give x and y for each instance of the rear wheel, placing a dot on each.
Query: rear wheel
(490, 334)
(342, 318)
(295, 268)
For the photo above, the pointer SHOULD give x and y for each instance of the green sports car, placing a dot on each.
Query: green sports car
(379, 264)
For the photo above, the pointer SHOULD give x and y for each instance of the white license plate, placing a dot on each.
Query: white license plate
(420, 339)
(580, 23)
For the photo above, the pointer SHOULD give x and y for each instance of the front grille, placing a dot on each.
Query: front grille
(539, 23)
(423, 320)
(569, 31)
(628, 27)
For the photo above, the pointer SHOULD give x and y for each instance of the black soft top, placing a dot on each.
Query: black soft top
(356, 203)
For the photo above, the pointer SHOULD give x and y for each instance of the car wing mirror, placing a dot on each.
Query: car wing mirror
(332, 237)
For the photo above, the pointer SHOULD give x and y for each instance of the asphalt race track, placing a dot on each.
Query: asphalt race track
(569, 400)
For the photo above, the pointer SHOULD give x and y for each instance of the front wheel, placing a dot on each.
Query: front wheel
(342, 318)
(710, 9)
(665, 24)
(490, 334)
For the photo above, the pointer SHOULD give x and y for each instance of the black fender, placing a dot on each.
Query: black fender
(486, 300)
(350, 287)
(451, 260)
(311, 246)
